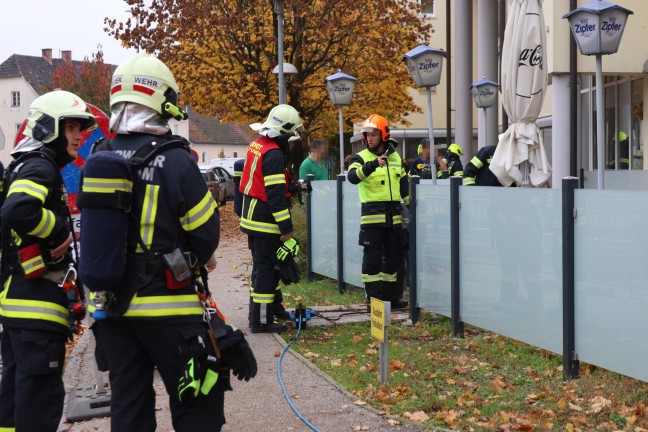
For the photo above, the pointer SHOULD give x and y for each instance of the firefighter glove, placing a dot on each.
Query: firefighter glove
(289, 247)
(237, 355)
(288, 271)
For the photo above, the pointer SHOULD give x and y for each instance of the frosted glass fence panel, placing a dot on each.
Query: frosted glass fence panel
(611, 272)
(511, 262)
(351, 231)
(433, 247)
(324, 222)
(622, 179)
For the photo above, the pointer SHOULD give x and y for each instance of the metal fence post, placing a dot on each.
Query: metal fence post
(570, 357)
(340, 233)
(415, 311)
(455, 311)
(309, 228)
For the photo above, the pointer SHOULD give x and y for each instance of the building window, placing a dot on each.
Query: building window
(235, 154)
(15, 98)
(428, 7)
(623, 106)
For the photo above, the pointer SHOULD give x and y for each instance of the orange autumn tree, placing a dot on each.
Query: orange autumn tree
(90, 80)
(222, 54)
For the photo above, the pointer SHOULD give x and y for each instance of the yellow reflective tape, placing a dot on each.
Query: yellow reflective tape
(468, 181)
(45, 226)
(274, 179)
(106, 185)
(281, 215)
(30, 188)
(369, 219)
(33, 265)
(158, 306)
(199, 214)
(263, 298)
(34, 309)
(253, 168)
(477, 162)
(149, 212)
(370, 278)
(260, 226)
(391, 277)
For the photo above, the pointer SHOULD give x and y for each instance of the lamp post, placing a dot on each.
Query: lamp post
(484, 92)
(598, 27)
(340, 89)
(282, 71)
(279, 10)
(424, 65)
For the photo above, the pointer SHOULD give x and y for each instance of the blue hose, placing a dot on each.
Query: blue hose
(283, 388)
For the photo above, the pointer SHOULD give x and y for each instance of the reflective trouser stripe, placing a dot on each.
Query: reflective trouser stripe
(159, 306)
(262, 298)
(371, 278)
(388, 277)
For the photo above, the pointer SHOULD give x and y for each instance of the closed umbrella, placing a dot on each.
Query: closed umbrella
(520, 155)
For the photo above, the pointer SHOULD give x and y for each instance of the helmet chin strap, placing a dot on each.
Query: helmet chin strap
(377, 150)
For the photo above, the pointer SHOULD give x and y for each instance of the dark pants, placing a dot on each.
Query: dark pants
(381, 262)
(133, 349)
(265, 278)
(277, 303)
(31, 390)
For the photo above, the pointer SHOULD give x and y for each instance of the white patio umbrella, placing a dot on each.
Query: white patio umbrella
(520, 156)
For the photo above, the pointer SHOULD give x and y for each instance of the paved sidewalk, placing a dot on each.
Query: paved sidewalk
(257, 405)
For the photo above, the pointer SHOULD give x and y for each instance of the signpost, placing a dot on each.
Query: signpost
(380, 320)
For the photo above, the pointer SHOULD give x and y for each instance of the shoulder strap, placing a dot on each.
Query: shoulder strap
(147, 152)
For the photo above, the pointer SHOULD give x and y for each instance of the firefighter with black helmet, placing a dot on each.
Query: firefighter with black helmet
(382, 183)
(36, 260)
(157, 318)
(265, 215)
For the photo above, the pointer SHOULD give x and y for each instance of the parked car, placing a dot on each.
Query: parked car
(215, 185)
(222, 173)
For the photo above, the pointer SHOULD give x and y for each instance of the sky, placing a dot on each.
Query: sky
(27, 26)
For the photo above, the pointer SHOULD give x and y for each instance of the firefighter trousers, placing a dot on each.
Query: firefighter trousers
(31, 390)
(265, 278)
(133, 349)
(381, 261)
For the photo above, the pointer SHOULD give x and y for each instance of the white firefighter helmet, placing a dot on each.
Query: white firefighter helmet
(282, 120)
(146, 80)
(47, 113)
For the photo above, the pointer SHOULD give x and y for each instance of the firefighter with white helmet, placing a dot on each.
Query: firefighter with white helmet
(382, 184)
(156, 317)
(36, 258)
(265, 215)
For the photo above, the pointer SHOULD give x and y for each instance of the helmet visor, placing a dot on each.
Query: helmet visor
(369, 130)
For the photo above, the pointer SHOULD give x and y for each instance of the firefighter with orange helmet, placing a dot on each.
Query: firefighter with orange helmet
(382, 184)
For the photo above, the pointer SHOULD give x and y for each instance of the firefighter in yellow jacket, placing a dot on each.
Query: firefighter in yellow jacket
(36, 258)
(265, 215)
(382, 183)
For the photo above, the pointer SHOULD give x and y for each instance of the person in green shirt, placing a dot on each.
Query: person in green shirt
(315, 163)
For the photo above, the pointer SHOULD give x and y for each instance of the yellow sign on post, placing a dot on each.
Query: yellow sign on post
(380, 318)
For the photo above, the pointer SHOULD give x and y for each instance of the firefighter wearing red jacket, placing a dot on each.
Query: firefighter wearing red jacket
(265, 215)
